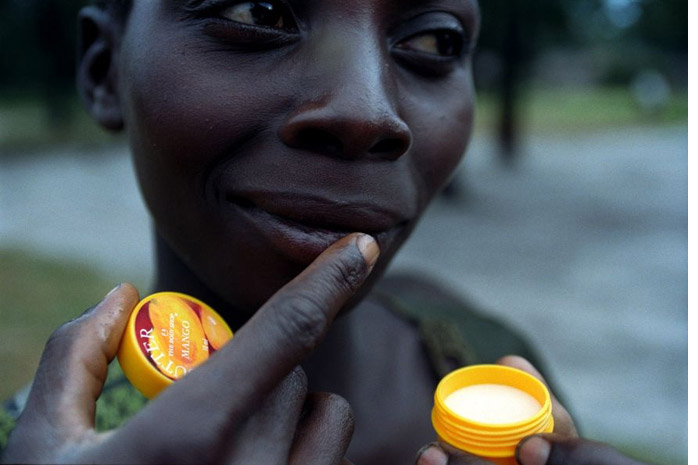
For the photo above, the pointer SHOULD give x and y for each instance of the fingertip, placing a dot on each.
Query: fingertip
(110, 316)
(368, 247)
(432, 454)
(123, 296)
(516, 361)
(124, 289)
(116, 289)
(533, 450)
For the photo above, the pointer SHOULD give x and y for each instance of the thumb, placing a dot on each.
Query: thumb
(74, 364)
(443, 454)
(556, 449)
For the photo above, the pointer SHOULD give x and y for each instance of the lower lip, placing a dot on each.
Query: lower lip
(300, 243)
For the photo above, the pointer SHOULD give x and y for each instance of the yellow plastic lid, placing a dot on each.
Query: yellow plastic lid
(495, 441)
(168, 335)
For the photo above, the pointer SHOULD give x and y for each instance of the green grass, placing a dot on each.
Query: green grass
(25, 126)
(571, 110)
(38, 295)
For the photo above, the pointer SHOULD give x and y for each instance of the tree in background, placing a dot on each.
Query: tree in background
(38, 53)
(38, 36)
(513, 32)
(633, 35)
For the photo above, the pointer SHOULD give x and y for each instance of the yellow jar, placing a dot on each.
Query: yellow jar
(168, 335)
(494, 440)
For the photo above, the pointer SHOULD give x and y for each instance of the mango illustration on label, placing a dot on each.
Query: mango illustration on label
(216, 330)
(168, 335)
(176, 343)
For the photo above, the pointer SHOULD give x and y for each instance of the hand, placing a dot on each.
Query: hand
(247, 404)
(563, 447)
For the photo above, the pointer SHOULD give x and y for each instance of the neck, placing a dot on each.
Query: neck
(172, 274)
(330, 366)
(333, 365)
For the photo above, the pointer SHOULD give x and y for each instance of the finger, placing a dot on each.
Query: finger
(443, 454)
(563, 420)
(74, 363)
(324, 433)
(284, 331)
(554, 449)
(224, 393)
(268, 435)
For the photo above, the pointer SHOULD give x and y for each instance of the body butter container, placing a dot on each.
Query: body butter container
(168, 335)
(486, 410)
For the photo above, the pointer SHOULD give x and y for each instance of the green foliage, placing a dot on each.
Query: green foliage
(570, 110)
(38, 38)
(541, 23)
(663, 25)
(27, 127)
(38, 295)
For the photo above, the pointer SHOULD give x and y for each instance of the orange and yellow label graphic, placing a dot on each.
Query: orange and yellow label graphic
(176, 334)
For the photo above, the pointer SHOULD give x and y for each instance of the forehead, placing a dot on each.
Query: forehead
(470, 5)
(320, 2)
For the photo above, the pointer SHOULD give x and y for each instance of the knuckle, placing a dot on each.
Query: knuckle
(346, 275)
(188, 449)
(577, 451)
(61, 338)
(299, 381)
(340, 411)
(303, 320)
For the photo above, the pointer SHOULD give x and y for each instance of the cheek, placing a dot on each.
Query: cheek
(442, 129)
(184, 115)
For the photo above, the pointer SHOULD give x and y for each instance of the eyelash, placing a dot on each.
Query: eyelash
(429, 64)
(419, 61)
(214, 9)
(250, 35)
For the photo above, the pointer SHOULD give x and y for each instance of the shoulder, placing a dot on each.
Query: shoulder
(455, 331)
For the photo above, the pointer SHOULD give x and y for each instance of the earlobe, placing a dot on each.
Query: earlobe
(97, 76)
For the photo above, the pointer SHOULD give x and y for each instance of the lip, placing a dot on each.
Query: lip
(302, 227)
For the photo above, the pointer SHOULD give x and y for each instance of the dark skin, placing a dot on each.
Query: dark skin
(338, 139)
(262, 140)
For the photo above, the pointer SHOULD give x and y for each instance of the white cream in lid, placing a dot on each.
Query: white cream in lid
(492, 403)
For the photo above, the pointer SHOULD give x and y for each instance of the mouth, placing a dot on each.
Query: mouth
(301, 228)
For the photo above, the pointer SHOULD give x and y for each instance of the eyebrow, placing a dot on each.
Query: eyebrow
(453, 3)
(190, 3)
(474, 3)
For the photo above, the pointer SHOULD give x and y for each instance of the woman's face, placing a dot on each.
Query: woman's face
(264, 131)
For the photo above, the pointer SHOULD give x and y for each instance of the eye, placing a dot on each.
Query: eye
(271, 15)
(442, 43)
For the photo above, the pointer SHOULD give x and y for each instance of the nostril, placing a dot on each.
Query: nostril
(389, 146)
(318, 140)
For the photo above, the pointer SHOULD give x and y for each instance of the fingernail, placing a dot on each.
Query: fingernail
(113, 290)
(432, 454)
(369, 249)
(533, 450)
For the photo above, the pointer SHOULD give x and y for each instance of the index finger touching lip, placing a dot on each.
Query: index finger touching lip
(289, 326)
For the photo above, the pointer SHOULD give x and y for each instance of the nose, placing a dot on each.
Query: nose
(349, 108)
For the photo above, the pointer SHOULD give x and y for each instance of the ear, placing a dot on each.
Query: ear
(99, 35)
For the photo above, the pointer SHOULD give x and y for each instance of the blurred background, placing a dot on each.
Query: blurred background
(567, 219)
